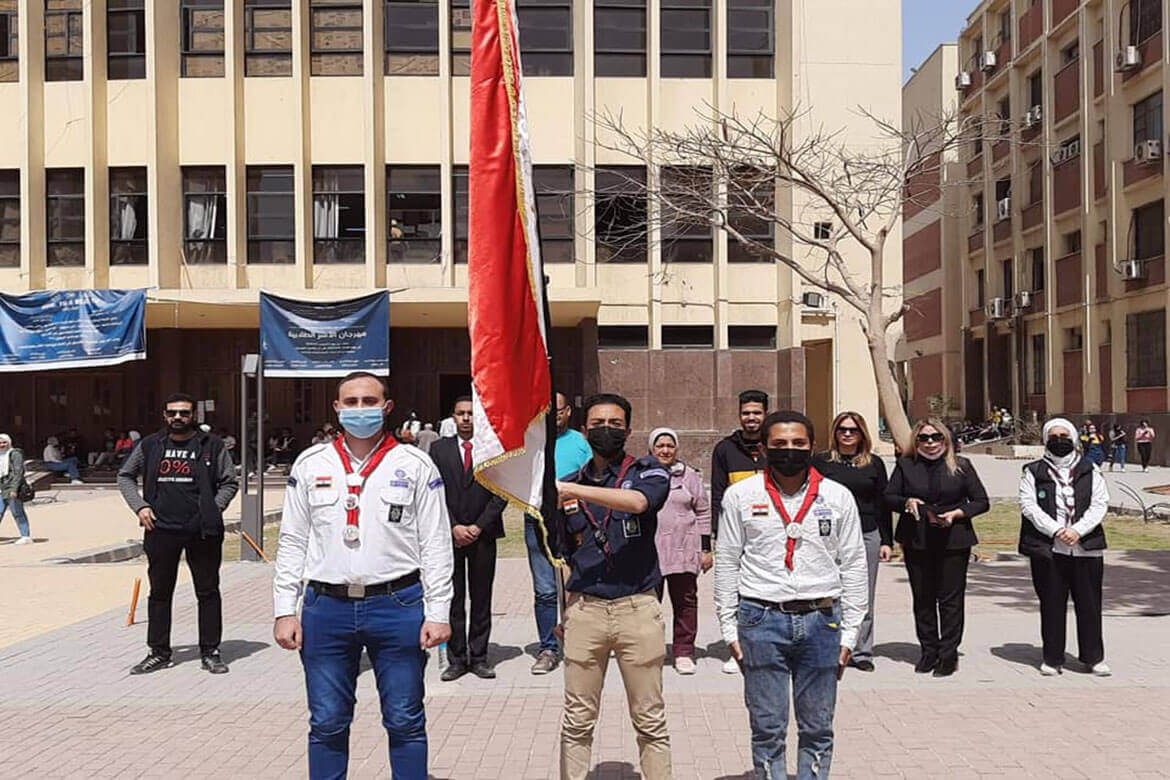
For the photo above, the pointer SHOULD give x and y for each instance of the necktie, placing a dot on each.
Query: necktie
(467, 456)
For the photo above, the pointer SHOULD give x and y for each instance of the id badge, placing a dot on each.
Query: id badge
(632, 527)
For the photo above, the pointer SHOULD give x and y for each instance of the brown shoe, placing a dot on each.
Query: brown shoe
(545, 662)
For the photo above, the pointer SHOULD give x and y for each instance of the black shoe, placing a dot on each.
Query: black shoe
(484, 672)
(152, 663)
(453, 672)
(864, 664)
(946, 667)
(926, 664)
(214, 664)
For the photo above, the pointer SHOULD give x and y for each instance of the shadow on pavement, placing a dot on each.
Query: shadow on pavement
(906, 652)
(498, 654)
(1019, 653)
(231, 650)
(613, 770)
(744, 776)
(714, 650)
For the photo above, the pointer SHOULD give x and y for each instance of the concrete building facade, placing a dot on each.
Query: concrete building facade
(208, 149)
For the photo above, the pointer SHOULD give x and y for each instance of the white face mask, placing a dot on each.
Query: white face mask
(928, 456)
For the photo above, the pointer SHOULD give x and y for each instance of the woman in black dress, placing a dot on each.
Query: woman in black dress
(938, 494)
(851, 462)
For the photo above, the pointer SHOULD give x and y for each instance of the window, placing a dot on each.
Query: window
(1005, 26)
(203, 38)
(128, 216)
(271, 224)
(335, 38)
(623, 336)
(10, 219)
(204, 215)
(1145, 19)
(1145, 349)
(822, 231)
(339, 214)
(1074, 339)
(977, 205)
(554, 209)
(412, 38)
(619, 34)
(267, 38)
(751, 35)
(1070, 53)
(415, 213)
(976, 137)
(1071, 242)
(751, 199)
(685, 27)
(1009, 286)
(1036, 88)
(688, 337)
(460, 37)
(546, 37)
(1147, 119)
(1148, 236)
(63, 40)
(751, 336)
(1106, 331)
(980, 288)
(459, 183)
(687, 235)
(620, 214)
(65, 216)
(1035, 183)
(1039, 361)
(1004, 110)
(9, 48)
(1036, 256)
(126, 39)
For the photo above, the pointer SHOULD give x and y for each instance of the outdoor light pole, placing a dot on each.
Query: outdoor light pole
(251, 504)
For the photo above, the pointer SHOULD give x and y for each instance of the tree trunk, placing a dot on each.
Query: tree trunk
(889, 396)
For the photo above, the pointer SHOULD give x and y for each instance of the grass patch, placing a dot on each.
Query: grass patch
(999, 529)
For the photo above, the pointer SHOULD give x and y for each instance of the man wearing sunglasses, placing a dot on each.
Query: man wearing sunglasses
(188, 480)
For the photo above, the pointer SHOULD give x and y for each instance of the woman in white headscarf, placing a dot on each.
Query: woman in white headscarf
(1063, 501)
(683, 541)
(11, 478)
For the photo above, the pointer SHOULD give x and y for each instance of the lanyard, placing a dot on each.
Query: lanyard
(1067, 495)
(792, 526)
(356, 482)
(601, 530)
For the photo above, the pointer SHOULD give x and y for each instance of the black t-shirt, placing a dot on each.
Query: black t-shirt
(176, 499)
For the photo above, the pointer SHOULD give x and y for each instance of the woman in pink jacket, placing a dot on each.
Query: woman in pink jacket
(684, 544)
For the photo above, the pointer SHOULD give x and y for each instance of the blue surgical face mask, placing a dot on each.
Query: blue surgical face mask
(363, 423)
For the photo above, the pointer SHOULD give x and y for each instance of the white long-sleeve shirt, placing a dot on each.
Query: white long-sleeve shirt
(1048, 525)
(749, 560)
(403, 526)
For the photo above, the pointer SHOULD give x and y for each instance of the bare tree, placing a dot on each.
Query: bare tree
(726, 171)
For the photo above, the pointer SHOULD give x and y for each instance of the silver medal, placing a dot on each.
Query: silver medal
(351, 533)
(792, 530)
(351, 502)
(1066, 490)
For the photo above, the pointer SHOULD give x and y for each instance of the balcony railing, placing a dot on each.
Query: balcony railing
(1103, 271)
(1002, 230)
(1135, 171)
(975, 240)
(1066, 185)
(1151, 49)
(975, 166)
(977, 317)
(1000, 149)
(1067, 89)
(1031, 25)
(1155, 274)
(1032, 215)
(1098, 69)
(1061, 9)
(1100, 183)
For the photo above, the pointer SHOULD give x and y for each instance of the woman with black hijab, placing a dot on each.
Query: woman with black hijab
(938, 494)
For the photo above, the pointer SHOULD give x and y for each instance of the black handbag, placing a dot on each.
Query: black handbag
(24, 492)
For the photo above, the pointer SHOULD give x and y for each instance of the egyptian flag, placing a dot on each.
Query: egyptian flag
(507, 313)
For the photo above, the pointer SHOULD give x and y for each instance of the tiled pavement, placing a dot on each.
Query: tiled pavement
(68, 708)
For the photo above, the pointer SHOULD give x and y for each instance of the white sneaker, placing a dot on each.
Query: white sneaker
(684, 665)
(76, 482)
(1049, 671)
(1101, 669)
(730, 666)
(24, 540)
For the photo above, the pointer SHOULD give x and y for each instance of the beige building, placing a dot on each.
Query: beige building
(208, 149)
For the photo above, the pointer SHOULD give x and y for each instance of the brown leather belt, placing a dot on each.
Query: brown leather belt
(797, 607)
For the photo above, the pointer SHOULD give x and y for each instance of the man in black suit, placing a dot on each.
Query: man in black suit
(477, 521)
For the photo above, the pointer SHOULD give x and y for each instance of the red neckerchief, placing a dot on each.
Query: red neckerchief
(355, 486)
(814, 483)
(604, 524)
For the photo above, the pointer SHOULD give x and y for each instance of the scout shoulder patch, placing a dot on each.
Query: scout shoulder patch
(435, 483)
(292, 481)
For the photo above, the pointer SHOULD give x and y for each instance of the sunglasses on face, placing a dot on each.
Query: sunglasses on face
(848, 431)
(177, 412)
(923, 438)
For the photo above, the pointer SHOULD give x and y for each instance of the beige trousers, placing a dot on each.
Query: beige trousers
(632, 628)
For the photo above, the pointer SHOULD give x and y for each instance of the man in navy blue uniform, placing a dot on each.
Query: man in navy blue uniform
(611, 510)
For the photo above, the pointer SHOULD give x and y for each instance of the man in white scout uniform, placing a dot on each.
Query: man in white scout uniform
(365, 526)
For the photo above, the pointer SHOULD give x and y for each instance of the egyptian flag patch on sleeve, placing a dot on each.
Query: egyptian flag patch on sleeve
(322, 482)
(759, 510)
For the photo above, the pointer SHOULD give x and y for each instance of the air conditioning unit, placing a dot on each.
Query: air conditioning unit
(814, 300)
(1128, 58)
(1059, 156)
(1132, 270)
(987, 62)
(1028, 121)
(1037, 113)
(1003, 209)
(1024, 299)
(997, 309)
(963, 80)
(1072, 149)
(1147, 151)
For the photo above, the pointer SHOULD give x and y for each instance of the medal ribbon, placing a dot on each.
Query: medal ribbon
(814, 483)
(388, 443)
(604, 524)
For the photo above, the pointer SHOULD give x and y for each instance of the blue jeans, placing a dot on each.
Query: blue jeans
(17, 507)
(335, 631)
(544, 586)
(1120, 451)
(67, 466)
(779, 648)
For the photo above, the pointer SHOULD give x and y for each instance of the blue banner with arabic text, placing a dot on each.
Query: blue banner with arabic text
(52, 329)
(325, 338)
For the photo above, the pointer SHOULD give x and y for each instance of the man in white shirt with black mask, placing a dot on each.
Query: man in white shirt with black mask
(791, 589)
(365, 525)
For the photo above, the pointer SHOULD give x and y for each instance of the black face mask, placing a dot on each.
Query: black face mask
(1060, 446)
(788, 462)
(605, 441)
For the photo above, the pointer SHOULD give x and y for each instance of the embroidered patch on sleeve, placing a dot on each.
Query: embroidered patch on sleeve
(292, 481)
(436, 483)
